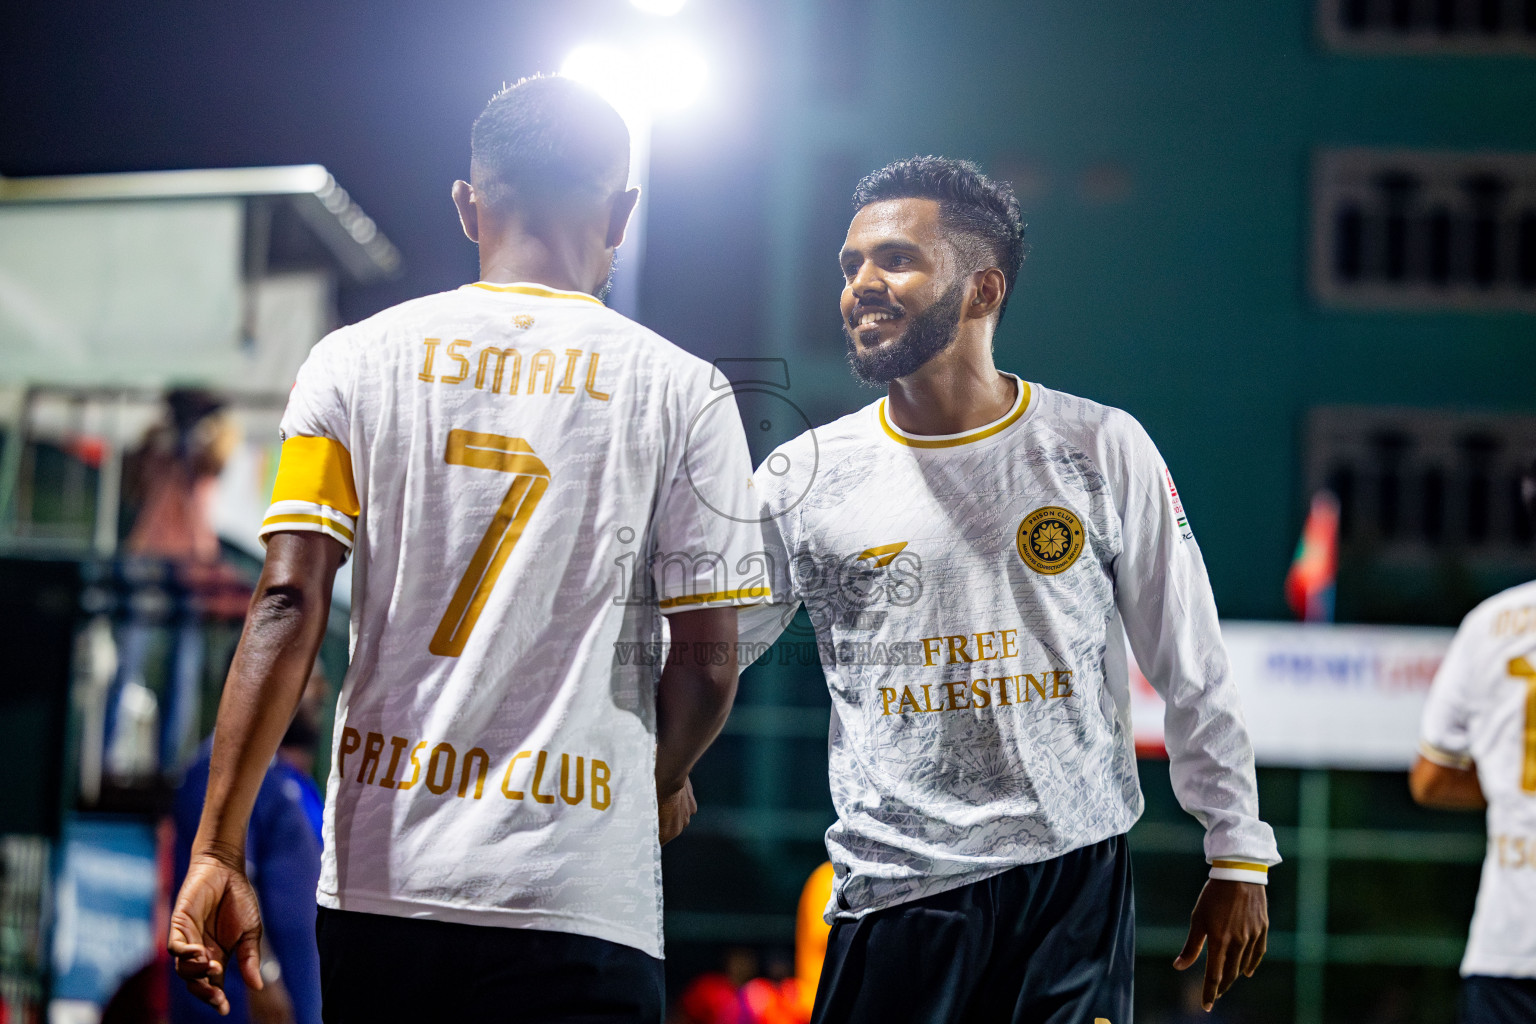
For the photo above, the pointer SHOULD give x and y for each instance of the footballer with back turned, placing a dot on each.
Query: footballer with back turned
(502, 779)
(1477, 751)
(980, 752)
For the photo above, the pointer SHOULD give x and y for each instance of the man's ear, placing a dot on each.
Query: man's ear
(989, 288)
(467, 202)
(618, 217)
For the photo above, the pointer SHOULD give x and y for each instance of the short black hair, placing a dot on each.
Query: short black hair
(982, 213)
(548, 136)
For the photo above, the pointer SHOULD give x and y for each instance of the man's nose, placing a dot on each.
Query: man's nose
(867, 281)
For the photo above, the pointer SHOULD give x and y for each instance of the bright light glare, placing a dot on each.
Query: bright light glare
(605, 69)
(664, 75)
(661, 8)
(677, 73)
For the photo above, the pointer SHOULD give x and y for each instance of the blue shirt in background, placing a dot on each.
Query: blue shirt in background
(283, 863)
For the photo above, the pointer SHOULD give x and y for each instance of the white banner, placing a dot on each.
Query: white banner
(1317, 695)
(123, 293)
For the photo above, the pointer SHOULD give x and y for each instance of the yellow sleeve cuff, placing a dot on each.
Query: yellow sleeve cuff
(1240, 871)
(1444, 758)
(307, 517)
(718, 598)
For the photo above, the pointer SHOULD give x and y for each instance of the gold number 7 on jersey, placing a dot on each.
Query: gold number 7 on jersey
(530, 479)
(1522, 668)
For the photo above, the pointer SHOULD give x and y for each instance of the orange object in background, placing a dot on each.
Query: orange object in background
(811, 933)
(715, 998)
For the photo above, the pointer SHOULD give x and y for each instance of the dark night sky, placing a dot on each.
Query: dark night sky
(383, 93)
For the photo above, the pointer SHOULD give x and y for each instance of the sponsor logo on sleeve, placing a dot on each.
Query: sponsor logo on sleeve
(1178, 507)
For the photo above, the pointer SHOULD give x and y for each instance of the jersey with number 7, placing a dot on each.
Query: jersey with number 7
(1482, 711)
(525, 481)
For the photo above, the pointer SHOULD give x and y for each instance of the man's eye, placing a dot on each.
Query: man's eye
(898, 260)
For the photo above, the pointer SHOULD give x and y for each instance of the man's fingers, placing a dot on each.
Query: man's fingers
(1214, 958)
(209, 994)
(1191, 951)
(198, 963)
(186, 941)
(1208, 991)
(191, 960)
(673, 816)
(189, 967)
(248, 955)
(1231, 963)
(1248, 958)
(186, 951)
(204, 981)
(1256, 953)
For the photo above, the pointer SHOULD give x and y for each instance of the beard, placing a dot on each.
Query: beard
(607, 286)
(929, 333)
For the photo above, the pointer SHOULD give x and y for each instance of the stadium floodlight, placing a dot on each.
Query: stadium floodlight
(660, 8)
(656, 77)
(606, 69)
(659, 76)
(676, 72)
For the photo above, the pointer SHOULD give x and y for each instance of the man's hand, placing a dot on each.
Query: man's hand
(216, 915)
(676, 811)
(693, 698)
(216, 919)
(1234, 917)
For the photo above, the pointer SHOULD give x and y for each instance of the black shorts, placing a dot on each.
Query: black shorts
(1488, 1000)
(1048, 943)
(375, 968)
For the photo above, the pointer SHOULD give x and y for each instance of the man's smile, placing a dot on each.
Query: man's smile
(870, 323)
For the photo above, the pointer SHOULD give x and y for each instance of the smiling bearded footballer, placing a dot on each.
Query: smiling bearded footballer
(980, 751)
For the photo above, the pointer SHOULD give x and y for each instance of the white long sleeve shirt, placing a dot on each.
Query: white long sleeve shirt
(969, 595)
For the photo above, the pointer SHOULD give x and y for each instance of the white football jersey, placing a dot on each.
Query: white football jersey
(968, 594)
(526, 481)
(1482, 710)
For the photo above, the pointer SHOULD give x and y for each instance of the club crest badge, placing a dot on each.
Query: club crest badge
(1050, 539)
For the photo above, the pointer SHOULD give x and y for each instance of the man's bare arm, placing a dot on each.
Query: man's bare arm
(216, 915)
(1444, 788)
(693, 700)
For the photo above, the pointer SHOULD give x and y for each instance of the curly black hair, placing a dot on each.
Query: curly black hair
(548, 136)
(981, 214)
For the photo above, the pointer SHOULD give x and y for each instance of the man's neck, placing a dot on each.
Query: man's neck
(562, 263)
(958, 390)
